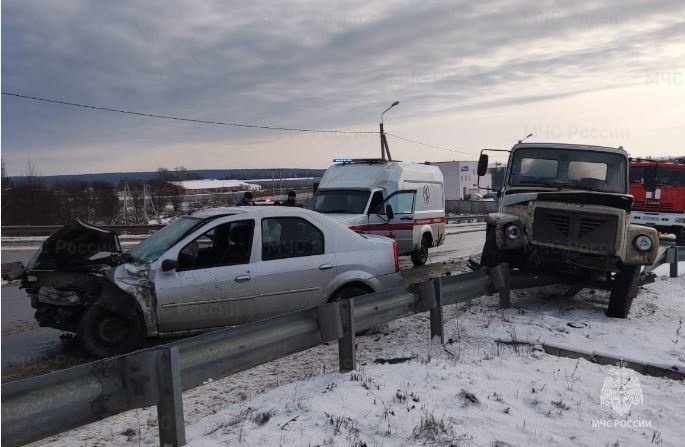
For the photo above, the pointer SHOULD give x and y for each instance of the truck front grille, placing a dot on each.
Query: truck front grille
(572, 229)
(562, 223)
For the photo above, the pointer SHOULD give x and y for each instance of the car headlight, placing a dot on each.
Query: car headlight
(512, 231)
(643, 242)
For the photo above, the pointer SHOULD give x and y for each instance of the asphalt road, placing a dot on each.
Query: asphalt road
(29, 350)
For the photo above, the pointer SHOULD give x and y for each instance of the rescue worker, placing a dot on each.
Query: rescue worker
(246, 200)
(291, 199)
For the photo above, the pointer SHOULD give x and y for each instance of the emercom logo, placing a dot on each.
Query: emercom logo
(620, 392)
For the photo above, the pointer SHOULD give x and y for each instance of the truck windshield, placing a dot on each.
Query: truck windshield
(574, 169)
(342, 201)
(153, 247)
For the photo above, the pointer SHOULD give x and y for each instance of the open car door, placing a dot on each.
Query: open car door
(399, 226)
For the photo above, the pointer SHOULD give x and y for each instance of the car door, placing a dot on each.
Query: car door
(401, 226)
(296, 264)
(213, 283)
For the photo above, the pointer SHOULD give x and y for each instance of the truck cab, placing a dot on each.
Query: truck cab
(565, 209)
(402, 201)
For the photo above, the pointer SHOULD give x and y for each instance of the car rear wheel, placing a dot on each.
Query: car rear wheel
(104, 333)
(347, 292)
(623, 291)
(420, 256)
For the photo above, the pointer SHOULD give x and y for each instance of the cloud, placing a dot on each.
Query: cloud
(305, 64)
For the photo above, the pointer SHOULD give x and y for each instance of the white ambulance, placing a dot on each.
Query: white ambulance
(403, 201)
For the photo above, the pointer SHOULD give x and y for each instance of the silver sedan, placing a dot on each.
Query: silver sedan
(221, 267)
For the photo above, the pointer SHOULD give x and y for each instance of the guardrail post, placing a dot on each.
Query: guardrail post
(437, 323)
(674, 261)
(172, 431)
(500, 282)
(330, 322)
(347, 355)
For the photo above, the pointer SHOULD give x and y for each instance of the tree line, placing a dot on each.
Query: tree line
(28, 200)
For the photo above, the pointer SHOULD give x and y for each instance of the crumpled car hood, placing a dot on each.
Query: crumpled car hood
(72, 246)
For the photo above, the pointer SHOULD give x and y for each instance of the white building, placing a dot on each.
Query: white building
(461, 179)
(208, 186)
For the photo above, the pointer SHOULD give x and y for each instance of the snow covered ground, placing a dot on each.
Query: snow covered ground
(507, 399)
(472, 391)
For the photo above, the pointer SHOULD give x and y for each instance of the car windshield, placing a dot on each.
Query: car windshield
(154, 246)
(339, 201)
(563, 168)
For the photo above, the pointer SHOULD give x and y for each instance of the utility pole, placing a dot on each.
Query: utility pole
(384, 141)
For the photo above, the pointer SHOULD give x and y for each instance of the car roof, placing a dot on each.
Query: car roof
(583, 147)
(251, 210)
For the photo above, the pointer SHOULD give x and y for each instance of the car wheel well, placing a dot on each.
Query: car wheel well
(351, 285)
(120, 302)
(428, 236)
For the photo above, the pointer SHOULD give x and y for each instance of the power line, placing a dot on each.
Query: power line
(222, 123)
(191, 120)
(428, 145)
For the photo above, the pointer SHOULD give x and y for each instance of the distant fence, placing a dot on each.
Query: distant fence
(470, 207)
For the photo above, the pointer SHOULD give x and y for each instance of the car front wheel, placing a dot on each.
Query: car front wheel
(104, 333)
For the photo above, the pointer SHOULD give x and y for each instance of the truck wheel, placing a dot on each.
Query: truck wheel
(420, 256)
(104, 333)
(490, 256)
(623, 291)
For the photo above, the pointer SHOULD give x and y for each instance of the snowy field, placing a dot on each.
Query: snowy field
(473, 391)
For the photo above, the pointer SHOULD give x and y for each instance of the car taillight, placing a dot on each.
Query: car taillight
(396, 253)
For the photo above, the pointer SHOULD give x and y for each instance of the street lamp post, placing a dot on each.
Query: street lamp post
(384, 141)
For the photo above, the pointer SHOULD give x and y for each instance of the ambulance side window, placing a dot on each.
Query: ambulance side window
(402, 202)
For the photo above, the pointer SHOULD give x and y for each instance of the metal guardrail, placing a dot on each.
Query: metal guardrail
(46, 405)
(467, 218)
(47, 230)
(668, 255)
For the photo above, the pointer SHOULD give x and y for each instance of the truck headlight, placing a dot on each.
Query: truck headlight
(643, 242)
(512, 231)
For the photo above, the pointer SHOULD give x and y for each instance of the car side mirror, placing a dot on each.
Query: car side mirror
(169, 264)
(482, 165)
(389, 212)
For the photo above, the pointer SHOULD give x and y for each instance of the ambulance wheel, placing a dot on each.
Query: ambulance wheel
(420, 256)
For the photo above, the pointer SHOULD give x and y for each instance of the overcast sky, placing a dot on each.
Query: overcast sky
(468, 75)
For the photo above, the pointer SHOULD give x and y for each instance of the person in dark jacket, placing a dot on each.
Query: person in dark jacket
(246, 200)
(291, 199)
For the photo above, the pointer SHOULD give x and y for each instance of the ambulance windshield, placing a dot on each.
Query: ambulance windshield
(339, 201)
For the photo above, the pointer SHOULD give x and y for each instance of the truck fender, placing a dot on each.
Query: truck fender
(632, 255)
(501, 220)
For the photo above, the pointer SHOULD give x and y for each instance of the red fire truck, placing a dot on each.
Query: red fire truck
(659, 191)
